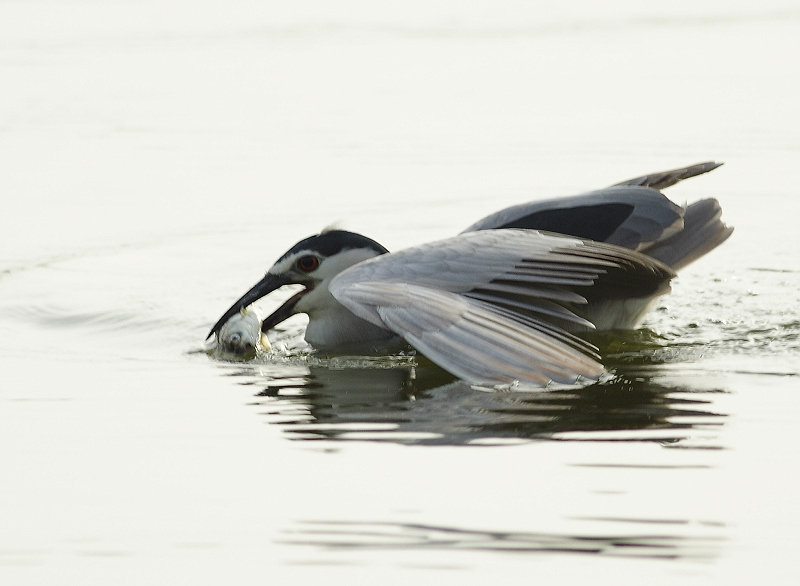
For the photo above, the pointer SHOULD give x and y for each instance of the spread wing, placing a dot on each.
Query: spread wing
(632, 214)
(474, 340)
(492, 306)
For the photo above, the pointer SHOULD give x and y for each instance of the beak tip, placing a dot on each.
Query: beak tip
(264, 287)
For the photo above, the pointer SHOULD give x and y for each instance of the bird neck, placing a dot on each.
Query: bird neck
(338, 326)
(332, 325)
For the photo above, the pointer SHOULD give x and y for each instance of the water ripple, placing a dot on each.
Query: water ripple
(338, 535)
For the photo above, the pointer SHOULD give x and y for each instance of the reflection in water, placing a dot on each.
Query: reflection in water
(409, 400)
(365, 535)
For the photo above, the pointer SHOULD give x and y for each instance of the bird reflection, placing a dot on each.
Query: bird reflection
(415, 402)
(338, 535)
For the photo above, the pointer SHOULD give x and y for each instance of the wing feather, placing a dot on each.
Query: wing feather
(489, 306)
(633, 214)
(665, 179)
(641, 216)
(542, 307)
(473, 340)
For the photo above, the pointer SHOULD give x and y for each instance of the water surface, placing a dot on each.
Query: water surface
(157, 158)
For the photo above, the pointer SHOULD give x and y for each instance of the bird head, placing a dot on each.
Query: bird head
(312, 263)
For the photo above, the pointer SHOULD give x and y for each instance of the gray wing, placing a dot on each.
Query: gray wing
(665, 179)
(471, 339)
(632, 214)
(633, 217)
(703, 230)
(492, 306)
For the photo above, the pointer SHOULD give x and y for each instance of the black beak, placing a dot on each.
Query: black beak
(284, 312)
(261, 289)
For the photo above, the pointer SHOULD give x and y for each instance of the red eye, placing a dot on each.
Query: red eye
(307, 263)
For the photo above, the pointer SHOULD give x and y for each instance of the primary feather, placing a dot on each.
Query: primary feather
(503, 322)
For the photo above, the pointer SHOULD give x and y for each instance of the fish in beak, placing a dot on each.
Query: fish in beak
(242, 335)
(261, 289)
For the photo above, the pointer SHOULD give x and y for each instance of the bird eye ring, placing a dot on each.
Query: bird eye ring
(307, 263)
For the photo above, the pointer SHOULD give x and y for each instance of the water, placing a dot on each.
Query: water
(157, 158)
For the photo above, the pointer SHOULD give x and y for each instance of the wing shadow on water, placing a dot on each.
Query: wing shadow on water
(414, 402)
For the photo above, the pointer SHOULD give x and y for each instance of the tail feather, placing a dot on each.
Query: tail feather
(703, 231)
(666, 179)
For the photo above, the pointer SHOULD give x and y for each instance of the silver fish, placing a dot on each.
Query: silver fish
(242, 334)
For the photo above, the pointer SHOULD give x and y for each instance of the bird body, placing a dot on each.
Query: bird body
(501, 302)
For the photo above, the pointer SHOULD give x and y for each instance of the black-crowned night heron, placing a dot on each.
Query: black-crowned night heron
(501, 302)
